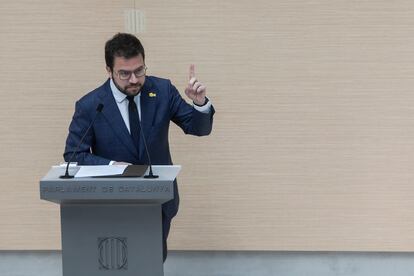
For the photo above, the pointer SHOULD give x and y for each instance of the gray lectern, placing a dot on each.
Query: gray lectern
(110, 226)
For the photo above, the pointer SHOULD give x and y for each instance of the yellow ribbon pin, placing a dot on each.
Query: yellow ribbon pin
(152, 94)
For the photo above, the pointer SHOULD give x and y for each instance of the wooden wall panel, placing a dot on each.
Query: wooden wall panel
(313, 138)
(51, 53)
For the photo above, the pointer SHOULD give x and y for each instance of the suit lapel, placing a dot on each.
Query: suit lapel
(148, 107)
(114, 119)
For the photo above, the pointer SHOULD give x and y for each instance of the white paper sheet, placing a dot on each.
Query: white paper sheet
(105, 170)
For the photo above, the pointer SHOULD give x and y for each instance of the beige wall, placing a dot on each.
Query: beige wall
(312, 145)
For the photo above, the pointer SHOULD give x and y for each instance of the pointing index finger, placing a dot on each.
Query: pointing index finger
(192, 73)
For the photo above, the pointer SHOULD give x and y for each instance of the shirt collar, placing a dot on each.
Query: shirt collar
(118, 95)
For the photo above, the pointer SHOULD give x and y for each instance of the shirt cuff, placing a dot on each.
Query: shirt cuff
(203, 109)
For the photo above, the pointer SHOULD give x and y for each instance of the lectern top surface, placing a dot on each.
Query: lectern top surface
(165, 173)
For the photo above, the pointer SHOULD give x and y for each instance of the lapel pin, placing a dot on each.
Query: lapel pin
(152, 94)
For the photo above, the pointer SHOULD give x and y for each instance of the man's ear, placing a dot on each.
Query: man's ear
(109, 72)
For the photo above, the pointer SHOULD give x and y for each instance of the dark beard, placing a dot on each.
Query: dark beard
(124, 91)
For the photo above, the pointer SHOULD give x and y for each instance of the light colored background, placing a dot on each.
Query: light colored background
(225, 263)
(312, 145)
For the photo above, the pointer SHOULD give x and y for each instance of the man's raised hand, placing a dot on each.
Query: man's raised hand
(195, 90)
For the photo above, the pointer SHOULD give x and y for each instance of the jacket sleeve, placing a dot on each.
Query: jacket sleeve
(187, 117)
(80, 122)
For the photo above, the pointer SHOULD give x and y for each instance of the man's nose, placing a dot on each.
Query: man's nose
(133, 78)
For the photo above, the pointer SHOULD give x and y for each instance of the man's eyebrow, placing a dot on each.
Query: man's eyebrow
(136, 69)
(140, 68)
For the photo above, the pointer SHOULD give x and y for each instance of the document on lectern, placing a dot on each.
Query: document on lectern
(112, 171)
(101, 170)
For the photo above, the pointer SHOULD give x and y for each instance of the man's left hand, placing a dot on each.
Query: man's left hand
(195, 90)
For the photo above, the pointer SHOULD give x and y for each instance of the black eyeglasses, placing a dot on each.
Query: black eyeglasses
(126, 75)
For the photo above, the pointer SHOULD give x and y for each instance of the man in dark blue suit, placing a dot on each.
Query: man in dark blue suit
(128, 96)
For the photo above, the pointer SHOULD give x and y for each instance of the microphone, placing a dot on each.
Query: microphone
(150, 174)
(66, 175)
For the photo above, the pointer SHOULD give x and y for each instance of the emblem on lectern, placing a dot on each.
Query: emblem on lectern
(112, 253)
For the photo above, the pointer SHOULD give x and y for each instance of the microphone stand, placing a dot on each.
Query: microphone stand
(67, 175)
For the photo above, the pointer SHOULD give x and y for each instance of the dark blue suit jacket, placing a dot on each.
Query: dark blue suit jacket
(109, 139)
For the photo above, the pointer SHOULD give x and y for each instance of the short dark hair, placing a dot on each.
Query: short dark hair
(122, 45)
